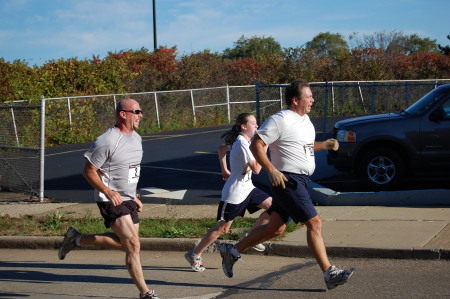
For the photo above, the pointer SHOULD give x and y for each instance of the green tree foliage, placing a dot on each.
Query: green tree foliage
(412, 44)
(18, 81)
(328, 45)
(254, 47)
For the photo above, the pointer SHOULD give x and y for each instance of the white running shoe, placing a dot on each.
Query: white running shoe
(335, 277)
(195, 261)
(258, 247)
(149, 295)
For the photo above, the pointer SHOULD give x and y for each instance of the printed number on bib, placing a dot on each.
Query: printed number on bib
(309, 149)
(133, 174)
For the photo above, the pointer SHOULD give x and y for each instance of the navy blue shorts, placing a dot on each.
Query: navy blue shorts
(110, 213)
(294, 201)
(228, 211)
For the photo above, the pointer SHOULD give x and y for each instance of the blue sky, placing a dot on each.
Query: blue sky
(41, 30)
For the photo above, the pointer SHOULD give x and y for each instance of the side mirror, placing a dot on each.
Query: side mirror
(437, 114)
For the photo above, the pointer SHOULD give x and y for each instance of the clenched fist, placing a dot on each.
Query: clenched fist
(331, 144)
(277, 178)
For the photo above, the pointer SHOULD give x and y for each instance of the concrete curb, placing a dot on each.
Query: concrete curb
(272, 249)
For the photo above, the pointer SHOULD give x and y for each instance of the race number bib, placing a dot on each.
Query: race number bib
(309, 150)
(133, 174)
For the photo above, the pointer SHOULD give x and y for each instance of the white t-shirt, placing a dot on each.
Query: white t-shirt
(290, 137)
(118, 157)
(239, 184)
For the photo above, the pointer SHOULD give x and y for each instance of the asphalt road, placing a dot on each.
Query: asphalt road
(102, 274)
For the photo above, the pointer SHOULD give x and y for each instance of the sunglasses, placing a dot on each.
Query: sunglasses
(135, 111)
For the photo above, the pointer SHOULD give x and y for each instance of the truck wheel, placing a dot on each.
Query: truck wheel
(381, 168)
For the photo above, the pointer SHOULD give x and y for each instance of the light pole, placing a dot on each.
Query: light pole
(154, 27)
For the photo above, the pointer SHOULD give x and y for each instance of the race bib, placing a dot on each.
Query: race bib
(309, 150)
(133, 174)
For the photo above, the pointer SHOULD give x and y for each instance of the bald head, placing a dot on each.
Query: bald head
(125, 104)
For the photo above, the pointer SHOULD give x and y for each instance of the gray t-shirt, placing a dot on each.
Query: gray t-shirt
(118, 157)
(290, 137)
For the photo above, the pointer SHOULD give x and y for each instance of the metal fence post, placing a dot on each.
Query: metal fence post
(15, 126)
(325, 109)
(70, 112)
(157, 111)
(42, 151)
(258, 104)
(228, 104)
(281, 98)
(362, 99)
(193, 107)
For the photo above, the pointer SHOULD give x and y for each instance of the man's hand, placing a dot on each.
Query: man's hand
(277, 178)
(331, 144)
(225, 175)
(139, 203)
(114, 197)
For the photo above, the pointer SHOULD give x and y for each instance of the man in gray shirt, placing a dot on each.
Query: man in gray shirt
(113, 169)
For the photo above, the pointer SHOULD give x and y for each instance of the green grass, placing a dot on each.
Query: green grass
(56, 224)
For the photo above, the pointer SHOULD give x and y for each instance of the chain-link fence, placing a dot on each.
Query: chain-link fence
(80, 119)
(19, 149)
(77, 119)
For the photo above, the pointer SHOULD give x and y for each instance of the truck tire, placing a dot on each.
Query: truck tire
(381, 168)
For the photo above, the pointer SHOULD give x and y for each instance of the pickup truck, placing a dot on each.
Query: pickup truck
(383, 149)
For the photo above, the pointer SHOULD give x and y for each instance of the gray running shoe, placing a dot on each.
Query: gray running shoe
(229, 256)
(195, 261)
(149, 295)
(335, 277)
(68, 243)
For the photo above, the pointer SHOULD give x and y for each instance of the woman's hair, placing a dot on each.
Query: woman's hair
(231, 135)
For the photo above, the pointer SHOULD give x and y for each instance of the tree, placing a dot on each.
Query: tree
(412, 44)
(378, 40)
(328, 45)
(254, 47)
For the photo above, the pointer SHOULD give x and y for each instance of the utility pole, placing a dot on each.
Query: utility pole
(155, 44)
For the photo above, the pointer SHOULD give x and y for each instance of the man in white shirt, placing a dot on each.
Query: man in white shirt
(290, 136)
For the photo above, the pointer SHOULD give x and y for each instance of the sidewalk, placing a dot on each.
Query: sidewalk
(421, 232)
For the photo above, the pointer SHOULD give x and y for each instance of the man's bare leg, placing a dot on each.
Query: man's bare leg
(316, 243)
(128, 233)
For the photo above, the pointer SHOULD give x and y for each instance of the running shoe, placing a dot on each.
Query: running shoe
(229, 255)
(258, 247)
(195, 261)
(149, 295)
(335, 277)
(68, 243)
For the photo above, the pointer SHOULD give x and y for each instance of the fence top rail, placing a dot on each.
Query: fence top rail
(145, 92)
(369, 83)
(334, 83)
(19, 107)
